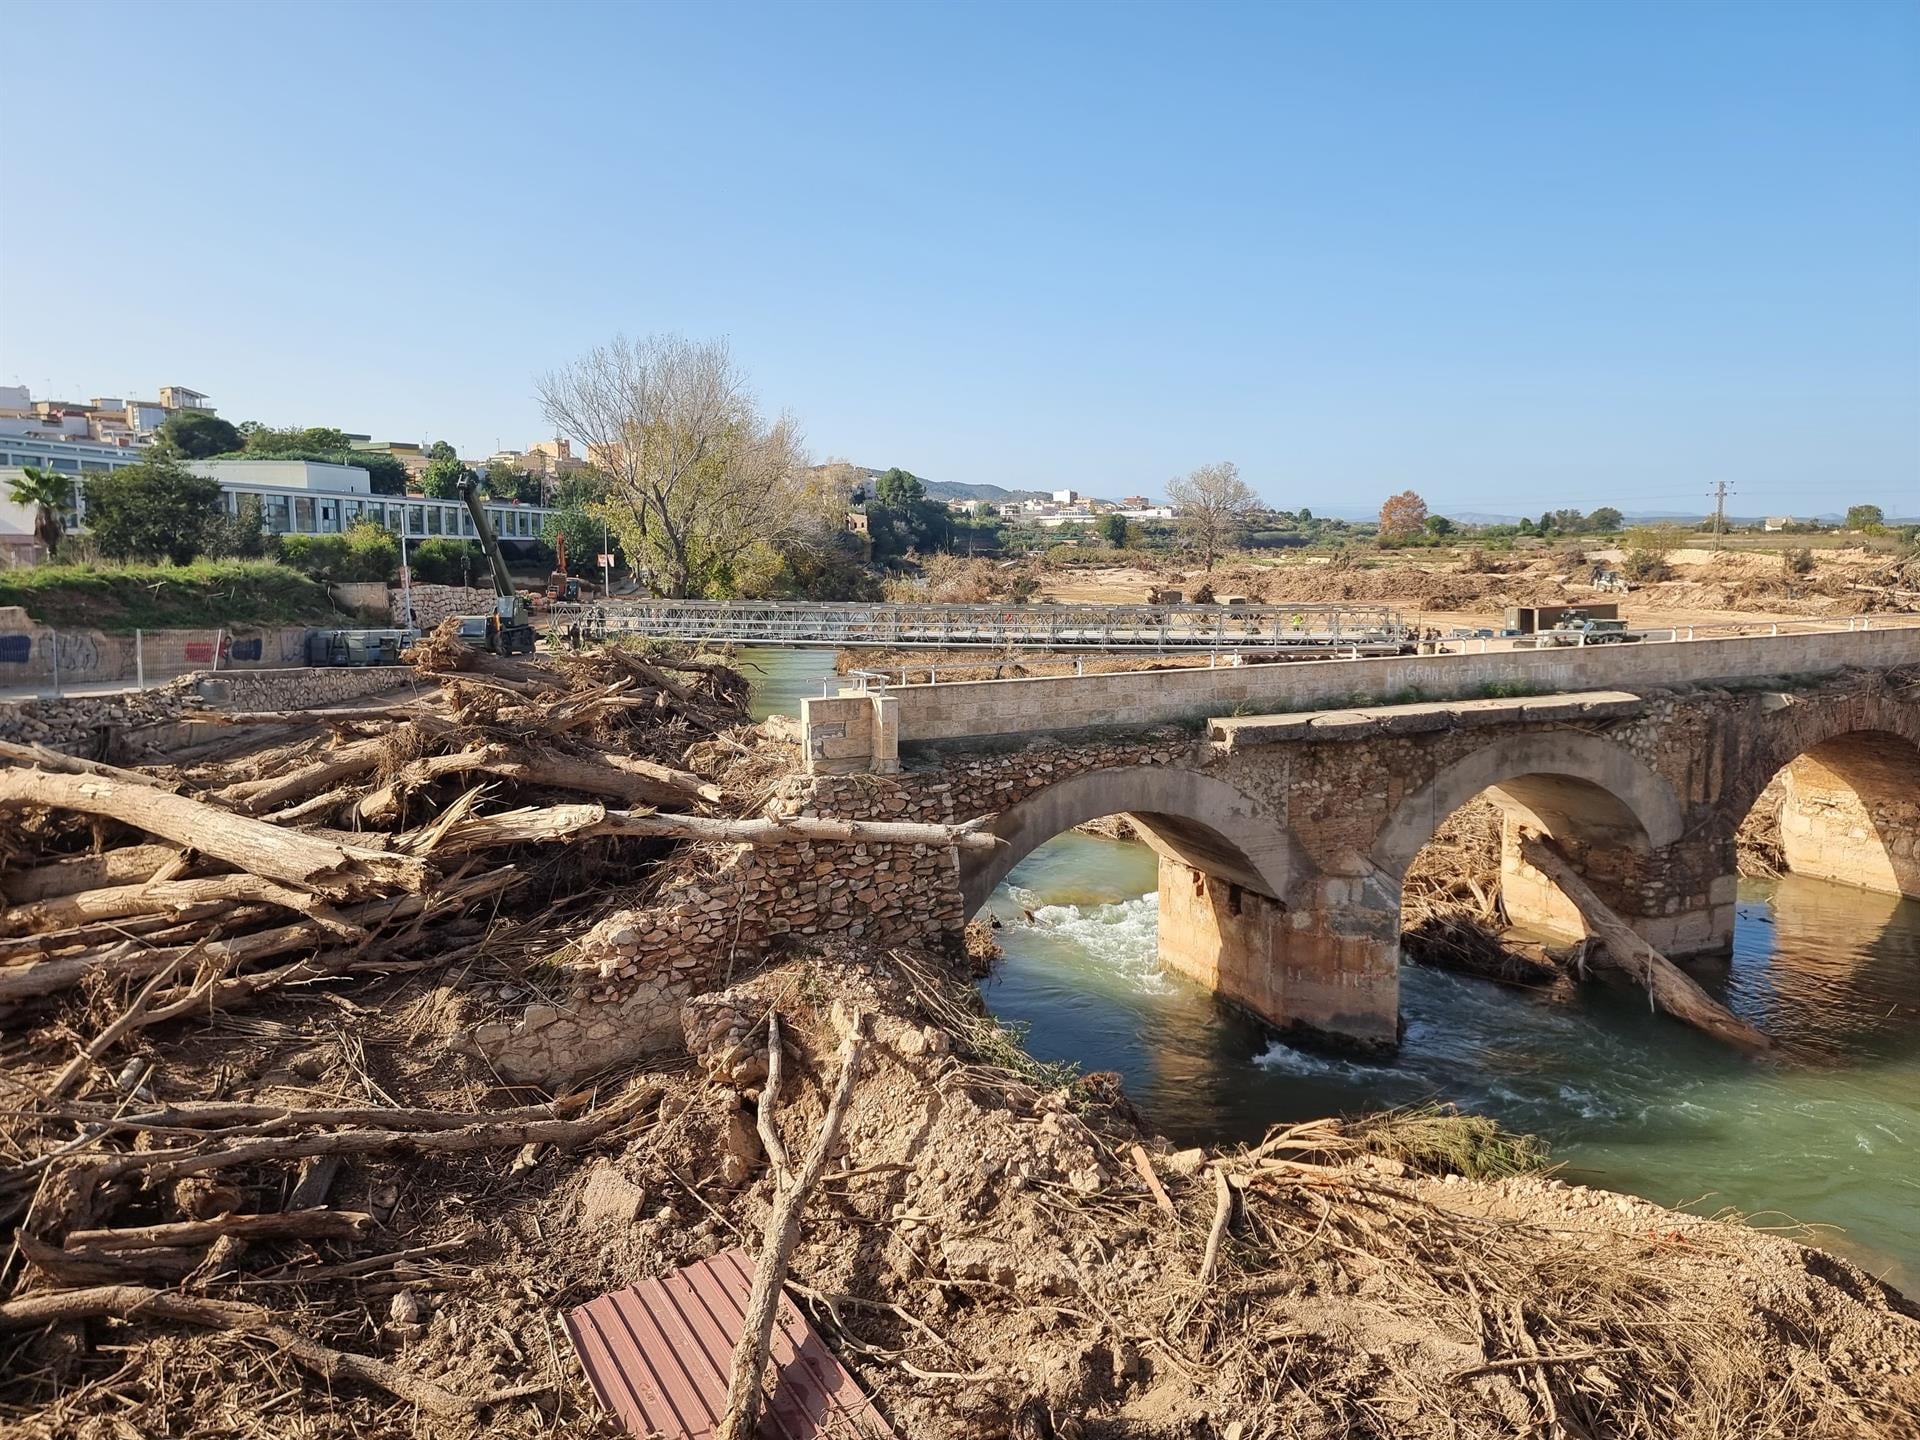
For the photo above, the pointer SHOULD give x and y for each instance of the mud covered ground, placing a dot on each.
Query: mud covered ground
(984, 1254)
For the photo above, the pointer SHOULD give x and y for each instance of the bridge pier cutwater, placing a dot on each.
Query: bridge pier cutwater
(1283, 838)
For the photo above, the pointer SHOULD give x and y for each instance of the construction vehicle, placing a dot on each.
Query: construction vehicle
(509, 630)
(1576, 627)
(562, 588)
(358, 647)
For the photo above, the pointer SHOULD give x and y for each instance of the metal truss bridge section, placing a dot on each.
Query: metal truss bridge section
(1299, 629)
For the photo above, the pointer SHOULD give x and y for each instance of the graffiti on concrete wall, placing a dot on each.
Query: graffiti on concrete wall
(244, 650)
(70, 652)
(16, 649)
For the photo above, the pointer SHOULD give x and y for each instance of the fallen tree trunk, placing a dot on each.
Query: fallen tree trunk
(291, 1225)
(138, 1302)
(43, 977)
(234, 1118)
(637, 782)
(340, 871)
(343, 715)
(48, 758)
(254, 797)
(1668, 986)
(21, 948)
(568, 822)
(124, 865)
(158, 1166)
(163, 898)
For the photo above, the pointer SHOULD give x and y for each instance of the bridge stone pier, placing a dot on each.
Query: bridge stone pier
(1286, 802)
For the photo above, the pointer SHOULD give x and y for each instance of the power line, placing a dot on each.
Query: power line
(1719, 494)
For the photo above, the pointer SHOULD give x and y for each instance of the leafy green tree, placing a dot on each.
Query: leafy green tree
(1862, 517)
(386, 475)
(51, 494)
(156, 507)
(441, 450)
(322, 556)
(366, 552)
(262, 440)
(1114, 529)
(374, 551)
(1648, 547)
(195, 436)
(576, 513)
(441, 479)
(449, 562)
(899, 489)
(241, 535)
(506, 483)
(1437, 525)
(1605, 519)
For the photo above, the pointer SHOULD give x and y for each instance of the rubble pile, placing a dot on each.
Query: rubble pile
(255, 1177)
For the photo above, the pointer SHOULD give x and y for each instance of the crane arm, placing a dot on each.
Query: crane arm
(502, 580)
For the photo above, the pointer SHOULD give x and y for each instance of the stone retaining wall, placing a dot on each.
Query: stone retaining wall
(727, 907)
(32, 654)
(434, 603)
(74, 723)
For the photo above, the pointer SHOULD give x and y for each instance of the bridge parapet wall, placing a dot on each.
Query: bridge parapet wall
(982, 709)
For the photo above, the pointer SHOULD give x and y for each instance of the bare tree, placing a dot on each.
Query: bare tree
(697, 476)
(1212, 504)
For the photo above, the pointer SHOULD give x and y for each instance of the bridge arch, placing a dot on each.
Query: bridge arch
(1850, 801)
(1207, 822)
(1561, 781)
(1801, 727)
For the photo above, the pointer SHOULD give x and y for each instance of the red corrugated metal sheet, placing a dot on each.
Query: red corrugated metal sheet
(660, 1355)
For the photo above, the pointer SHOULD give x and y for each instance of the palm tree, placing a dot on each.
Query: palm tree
(49, 493)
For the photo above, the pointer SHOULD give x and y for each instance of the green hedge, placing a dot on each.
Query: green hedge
(152, 597)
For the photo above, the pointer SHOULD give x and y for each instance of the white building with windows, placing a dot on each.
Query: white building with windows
(304, 497)
(296, 497)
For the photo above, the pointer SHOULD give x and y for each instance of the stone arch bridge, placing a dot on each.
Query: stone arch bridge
(1286, 802)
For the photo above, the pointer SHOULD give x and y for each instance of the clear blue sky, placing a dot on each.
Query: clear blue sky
(1513, 255)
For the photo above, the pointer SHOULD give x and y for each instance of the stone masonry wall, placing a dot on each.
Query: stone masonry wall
(434, 603)
(731, 906)
(73, 723)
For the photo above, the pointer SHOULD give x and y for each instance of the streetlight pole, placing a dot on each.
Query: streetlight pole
(406, 579)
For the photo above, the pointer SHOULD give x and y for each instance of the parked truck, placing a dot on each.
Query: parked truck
(1576, 627)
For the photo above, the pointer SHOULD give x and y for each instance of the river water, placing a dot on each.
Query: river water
(1629, 1100)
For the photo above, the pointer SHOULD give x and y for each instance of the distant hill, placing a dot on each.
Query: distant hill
(996, 494)
(938, 489)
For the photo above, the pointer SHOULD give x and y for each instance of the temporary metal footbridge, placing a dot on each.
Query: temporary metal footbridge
(1301, 629)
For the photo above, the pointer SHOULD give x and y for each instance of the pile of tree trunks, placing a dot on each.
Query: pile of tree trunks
(299, 849)
(333, 835)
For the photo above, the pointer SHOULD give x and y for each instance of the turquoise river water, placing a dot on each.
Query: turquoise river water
(1629, 1100)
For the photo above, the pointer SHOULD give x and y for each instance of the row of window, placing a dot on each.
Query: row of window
(63, 463)
(416, 519)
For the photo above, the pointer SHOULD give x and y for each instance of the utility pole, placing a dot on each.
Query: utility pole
(1719, 492)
